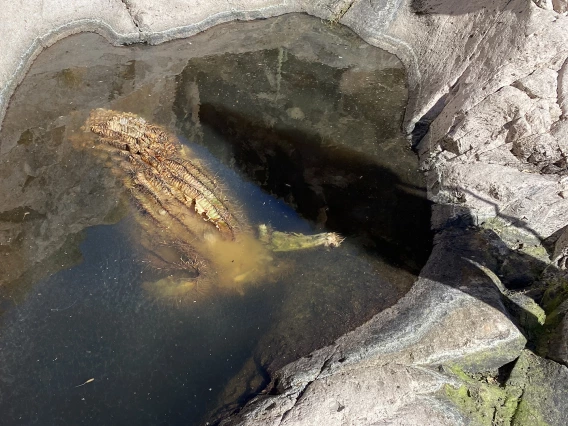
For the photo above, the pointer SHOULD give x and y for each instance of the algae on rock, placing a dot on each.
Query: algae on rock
(482, 398)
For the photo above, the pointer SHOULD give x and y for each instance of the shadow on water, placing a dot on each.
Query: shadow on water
(352, 195)
(337, 188)
(156, 362)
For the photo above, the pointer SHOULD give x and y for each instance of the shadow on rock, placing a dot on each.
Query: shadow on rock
(491, 274)
(455, 7)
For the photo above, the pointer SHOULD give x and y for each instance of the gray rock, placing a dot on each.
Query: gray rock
(540, 84)
(375, 374)
(560, 255)
(542, 115)
(554, 341)
(538, 149)
(474, 130)
(544, 385)
(544, 4)
(472, 135)
(392, 394)
(559, 131)
(563, 89)
(558, 336)
(533, 201)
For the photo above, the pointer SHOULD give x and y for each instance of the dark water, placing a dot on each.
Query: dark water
(299, 120)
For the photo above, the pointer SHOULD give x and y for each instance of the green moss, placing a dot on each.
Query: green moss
(530, 316)
(552, 300)
(533, 395)
(527, 415)
(536, 251)
(485, 360)
(529, 377)
(513, 235)
(482, 399)
(555, 294)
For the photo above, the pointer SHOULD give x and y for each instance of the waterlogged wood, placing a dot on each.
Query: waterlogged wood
(156, 168)
(192, 231)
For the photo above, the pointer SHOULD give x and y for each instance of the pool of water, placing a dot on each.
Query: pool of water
(299, 120)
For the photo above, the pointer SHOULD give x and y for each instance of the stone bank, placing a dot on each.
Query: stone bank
(488, 115)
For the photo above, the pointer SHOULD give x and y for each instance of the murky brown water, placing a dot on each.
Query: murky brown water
(299, 120)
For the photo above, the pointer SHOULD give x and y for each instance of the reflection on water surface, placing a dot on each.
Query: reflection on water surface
(299, 121)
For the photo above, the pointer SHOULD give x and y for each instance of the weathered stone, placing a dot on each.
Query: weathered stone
(507, 115)
(544, 387)
(542, 115)
(534, 201)
(535, 394)
(560, 255)
(482, 399)
(558, 334)
(483, 142)
(434, 324)
(530, 316)
(159, 22)
(559, 131)
(554, 340)
(472, 134)
(362, 395)
(537, 149)
(540, 84)
(563, 89)
(560, 6)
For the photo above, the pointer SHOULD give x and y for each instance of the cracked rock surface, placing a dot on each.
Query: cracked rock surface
(488, 85)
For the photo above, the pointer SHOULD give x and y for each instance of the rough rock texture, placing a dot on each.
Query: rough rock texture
(466, 62)
(377, 373)
(490, 78)
(499, 145)
(560, 254)
(554, 341)
(535, 393)
(558, 339)
(544, 387)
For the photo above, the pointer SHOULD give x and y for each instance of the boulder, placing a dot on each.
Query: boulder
(558, 336)
(388, 370)
(540, 84)
(544, 385)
